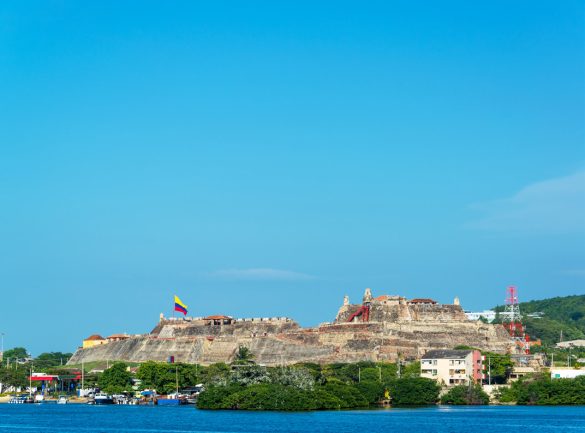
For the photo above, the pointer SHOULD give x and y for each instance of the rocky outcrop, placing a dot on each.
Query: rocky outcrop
(395, 328)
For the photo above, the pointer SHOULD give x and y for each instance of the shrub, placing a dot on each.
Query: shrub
(466, 395)
(414, 391)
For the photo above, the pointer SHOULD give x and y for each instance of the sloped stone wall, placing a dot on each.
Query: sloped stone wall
(394, 330)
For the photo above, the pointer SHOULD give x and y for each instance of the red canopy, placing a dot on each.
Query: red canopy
(44, 377)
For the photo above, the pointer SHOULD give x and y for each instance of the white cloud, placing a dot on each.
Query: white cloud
(554, 205)
(260, 274)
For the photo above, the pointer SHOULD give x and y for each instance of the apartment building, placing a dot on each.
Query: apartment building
(452, 367)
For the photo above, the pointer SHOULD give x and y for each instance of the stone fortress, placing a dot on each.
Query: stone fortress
(383, 328)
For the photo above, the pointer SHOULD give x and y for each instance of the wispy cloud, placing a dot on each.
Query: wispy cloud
(267, 274)
(554, 205)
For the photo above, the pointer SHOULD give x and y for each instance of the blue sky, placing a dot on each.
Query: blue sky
(267, 158)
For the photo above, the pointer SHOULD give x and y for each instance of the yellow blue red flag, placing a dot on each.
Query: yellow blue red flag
(179, 306)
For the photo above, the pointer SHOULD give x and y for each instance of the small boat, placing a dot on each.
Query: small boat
(62, 399)
(17, 399)
(39, 398)
(103, 398)
(192, 392)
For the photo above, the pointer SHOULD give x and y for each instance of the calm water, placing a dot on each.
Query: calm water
(83, 418)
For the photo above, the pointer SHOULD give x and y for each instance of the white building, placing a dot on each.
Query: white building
(452, 367)
(489, 315)
(566, 373)
(570, 344)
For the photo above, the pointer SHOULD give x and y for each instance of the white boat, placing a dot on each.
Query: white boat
(17, 399)
(62, 399)
(103, 398)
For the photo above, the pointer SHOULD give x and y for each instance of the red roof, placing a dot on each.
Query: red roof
(94, 337)
(118, 336)
(422, 301)
(382, 298)
(217, 317)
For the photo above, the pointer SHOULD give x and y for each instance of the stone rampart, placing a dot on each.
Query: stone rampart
(396, 328)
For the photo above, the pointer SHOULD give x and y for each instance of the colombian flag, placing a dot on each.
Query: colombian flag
(179, 306)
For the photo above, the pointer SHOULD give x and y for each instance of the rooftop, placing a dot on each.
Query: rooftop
(422, 301)
(446, 354)
(94, 337)
(571, 343)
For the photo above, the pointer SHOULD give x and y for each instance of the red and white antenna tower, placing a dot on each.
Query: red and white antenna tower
(512, 320)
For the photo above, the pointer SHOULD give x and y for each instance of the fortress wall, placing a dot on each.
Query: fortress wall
(138, 349)
(333, 343)
(380, 312)
(396, 329)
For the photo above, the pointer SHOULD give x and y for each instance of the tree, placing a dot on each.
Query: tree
(249, 374)
(51, 359)
(411, 370)
(15, 353)
(244, 355)
(542, 390)
(12, 376)
(116, 379)
(466, 395)
(163, 377)
(414, 391)
(298, 377)
(373, 391)
(498, 366)
(216, 374)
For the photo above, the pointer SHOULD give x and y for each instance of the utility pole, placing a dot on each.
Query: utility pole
(489, 370)
(359, 374)
(552, 361)
(380, 374)
(2, 346)
(82, 379)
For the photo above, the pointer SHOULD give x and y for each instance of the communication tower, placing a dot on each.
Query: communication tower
(512, 320)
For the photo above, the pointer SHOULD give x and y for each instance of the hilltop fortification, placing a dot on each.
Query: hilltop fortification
(379, 329)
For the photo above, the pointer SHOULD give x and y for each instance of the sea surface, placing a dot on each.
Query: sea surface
(89, 419)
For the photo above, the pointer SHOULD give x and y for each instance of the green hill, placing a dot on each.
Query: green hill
(565, 313)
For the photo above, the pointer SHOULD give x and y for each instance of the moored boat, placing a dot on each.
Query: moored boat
(20, 399)
(102, 398)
